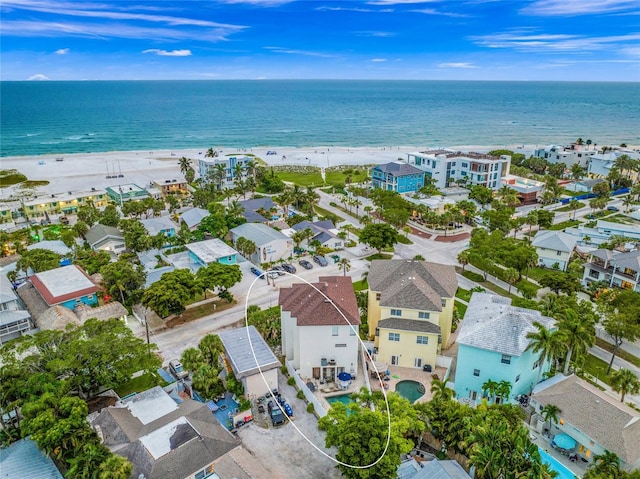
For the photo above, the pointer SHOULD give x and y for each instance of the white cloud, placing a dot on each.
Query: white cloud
(433, 11)
(353, 9)
(307, 53)
(260, 3)
(169, 53)
(457, 65)
(577, 7)
(62, 51)
(38, 77)
(378, 60)
(399, 2)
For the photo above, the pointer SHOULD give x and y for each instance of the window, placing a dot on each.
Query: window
(352, 331)
(334, 330)
(594, 274)
(396, 312)
(517, 378)
(341, 345)
(444, 303)
(535, 365)
(394, 337)
(377, 331)
(476, 372)
(422, 339)
(559, 253)
(378, 296)
(464, 165)
(417, 363)
(506, 359)
(394, 360)
(423, 315)
(200, 475)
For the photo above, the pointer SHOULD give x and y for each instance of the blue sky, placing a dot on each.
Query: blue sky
(596, 40)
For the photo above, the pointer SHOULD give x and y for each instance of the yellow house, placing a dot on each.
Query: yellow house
(410, 310)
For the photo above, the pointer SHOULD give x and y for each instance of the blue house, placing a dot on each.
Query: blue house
(67, 286)
(492, 345)
(161, 224)
(210, 251)
(397, 176)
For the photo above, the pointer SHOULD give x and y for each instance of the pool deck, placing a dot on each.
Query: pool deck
(404, 374)
(579, 468)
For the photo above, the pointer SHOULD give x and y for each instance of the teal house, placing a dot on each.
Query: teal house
(67, 286)
(492, 345)
(210, 251)
(397, 176)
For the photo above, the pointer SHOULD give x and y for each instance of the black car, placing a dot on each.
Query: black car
(305, 264)
(289, 268)
(318, 258)
(612, 208)
(275, 413)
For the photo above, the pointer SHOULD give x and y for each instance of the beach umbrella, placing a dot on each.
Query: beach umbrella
(344, 376)
(564, 441)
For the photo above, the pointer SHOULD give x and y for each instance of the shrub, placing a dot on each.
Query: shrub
(310, 408)
(284, 370)
(473, 276)
(291, 381)
(300, 395)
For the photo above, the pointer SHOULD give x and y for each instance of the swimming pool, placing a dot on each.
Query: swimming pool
(410, 390)
(343, 398)
(561, 469)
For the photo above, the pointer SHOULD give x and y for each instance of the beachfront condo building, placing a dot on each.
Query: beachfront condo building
(446, 167)
(571, 155)
(223, 170)
(397, 176)
(64, 203)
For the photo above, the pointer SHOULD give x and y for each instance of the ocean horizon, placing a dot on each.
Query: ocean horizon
(65, 117)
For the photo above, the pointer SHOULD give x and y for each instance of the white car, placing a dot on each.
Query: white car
(175, 368)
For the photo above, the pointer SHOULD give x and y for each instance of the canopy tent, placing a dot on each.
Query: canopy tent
(380, 366)
(564, 441)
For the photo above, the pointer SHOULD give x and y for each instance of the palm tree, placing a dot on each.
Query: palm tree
(489, 387)
(624, 164)
(345, 265)
(625, 381)
(511, 276)
(627, 202)
(579, 335)
(211, 153)
(503, 390)
(550, 413)
(440, 391)
(545, 342)
(577, 172)
(464, 257)
(574, 205)
(185, 165)
(606, 465)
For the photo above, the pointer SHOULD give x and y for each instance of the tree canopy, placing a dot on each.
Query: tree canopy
(379, 236)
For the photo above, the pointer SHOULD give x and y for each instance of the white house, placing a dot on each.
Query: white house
(323, 231)
(271, 245)
(251, 360)
(207, 168)
(445, 167)
(568, 155)
(320, 327)
(13, 320)
(617, 269)
(193, 217)
(554, 248)
(105, 238)
(600, 164)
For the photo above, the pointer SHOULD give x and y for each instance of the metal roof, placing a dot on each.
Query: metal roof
(212, 250)
(258, 233)
(554, 240)
(62, 284)
(239, 351)
(23, 460)
(194, 216)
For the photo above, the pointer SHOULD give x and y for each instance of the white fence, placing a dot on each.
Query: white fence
(320, 410)
(444, 362)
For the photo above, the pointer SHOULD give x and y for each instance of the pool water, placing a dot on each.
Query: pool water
(561, 469)
(411, 390)
(343, 398)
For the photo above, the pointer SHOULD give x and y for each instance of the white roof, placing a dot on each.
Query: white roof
(156, 225)
(258, 233)
(7, 294)
(555, 240)
(64, 280)
(212, 250)
(150, 405)
(159, 442)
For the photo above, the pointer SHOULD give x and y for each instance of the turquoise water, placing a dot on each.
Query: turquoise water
(344, 399)
(96, 116)
(563, 472)
(410, 390)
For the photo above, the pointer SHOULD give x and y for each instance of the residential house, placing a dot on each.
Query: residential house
(105, 238)
(528, 190)
(160, 225)
(259, 210)
(445, 167)
(433, 469)
(23, 460)
(323, 231)
(173, 186)
(67, 286)
(128, 192)
(397, 176)
(436, 203)
(600, 164)
(320, 327)
(410, 310)
(597, 421)
(64, 203)
(164, 438)
(228, 165)
(585, 186)
(6, 216)
(55, 246)
(574, 154)
(554, 248)
(271, 245)
(253, 363)
(492, 345)
(14, 320)
(210, 251)
(193, 217)
(621, 270)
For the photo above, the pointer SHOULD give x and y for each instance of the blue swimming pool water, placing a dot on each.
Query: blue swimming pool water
(410, 390)
(563, 472)
(343, 398)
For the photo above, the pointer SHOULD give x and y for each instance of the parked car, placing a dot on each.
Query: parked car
(273, 274)
(275, 413)
(335, 258)
(289, 268)
(305, 264)
(279, 269)
(257, 272)
(613, 208)
(320, 260)
(176, 369)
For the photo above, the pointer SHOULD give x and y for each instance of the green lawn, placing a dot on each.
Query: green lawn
(360, 285)
(328, 214)
(635, 360)
(301, 178)
(379, 256)
(563, 225)
(462, 308)
(538, 273)
(463, 294)
(570, 207)
(139, 384)
(596, 367)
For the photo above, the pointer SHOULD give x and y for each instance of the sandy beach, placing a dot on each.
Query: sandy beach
(83, 171)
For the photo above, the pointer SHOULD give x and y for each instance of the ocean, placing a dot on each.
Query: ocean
(96, 116)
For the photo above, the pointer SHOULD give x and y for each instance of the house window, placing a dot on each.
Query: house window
(352, 331)
(423, 315)
(200, 475)
(476, 372)
(334, 330)
(417, 363)
(422, 339)
(444, 303)
(377, 331)
(594, 274)
(558, 253)
(535, 365)
(506, 359)
(396, 312)
(394, 337)
(378, 296)
(341, 345)
(517, 378)
(395, 360)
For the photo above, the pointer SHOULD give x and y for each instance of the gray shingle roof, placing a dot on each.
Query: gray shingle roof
(57, 246)
(252, 206)
(99, 232)
(258, 233)
(612, 424)
(158, 225)
(491, 323)
(193, 216)
(412, 284)
(243, 359)
(629, 260)
(397, 168)
(420, 326)
(555, 240)
(434, 469)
